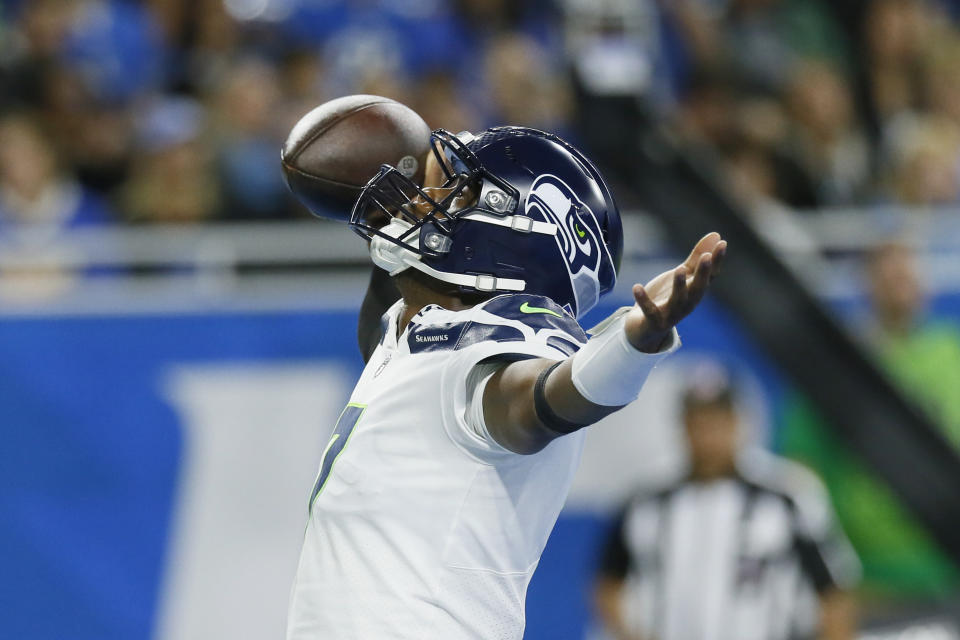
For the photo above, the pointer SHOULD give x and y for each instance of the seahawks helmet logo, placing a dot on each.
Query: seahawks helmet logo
(577, 234)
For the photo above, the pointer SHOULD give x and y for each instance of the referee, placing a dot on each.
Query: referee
(744, 547)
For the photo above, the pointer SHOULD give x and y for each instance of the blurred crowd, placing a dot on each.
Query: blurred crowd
(903, 568)
(168, 111)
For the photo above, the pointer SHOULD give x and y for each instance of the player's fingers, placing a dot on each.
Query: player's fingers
(703, 245)
(678, 295)
(701, 267)
(706, 244)
(648, 306)
(701, 279)
(718, 256)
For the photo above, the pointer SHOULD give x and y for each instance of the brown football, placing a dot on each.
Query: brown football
(334, 150)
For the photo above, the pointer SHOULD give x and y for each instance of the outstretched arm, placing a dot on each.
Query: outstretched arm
(509, 406)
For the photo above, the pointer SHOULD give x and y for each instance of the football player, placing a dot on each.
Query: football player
(448, 467)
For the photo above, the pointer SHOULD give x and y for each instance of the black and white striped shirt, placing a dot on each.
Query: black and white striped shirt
(739, 558)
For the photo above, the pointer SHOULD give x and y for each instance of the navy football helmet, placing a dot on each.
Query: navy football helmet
(523, 210)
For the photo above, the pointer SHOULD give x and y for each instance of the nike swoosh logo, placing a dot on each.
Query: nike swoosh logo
(580, 232)
(526, 308)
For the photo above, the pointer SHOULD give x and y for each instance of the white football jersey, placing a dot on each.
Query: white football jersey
(420, 526)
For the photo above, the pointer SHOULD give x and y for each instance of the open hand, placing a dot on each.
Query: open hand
(672, 295)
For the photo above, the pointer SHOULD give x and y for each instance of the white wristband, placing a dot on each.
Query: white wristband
(608, 370)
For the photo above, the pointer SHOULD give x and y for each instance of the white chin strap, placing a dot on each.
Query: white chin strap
(394, 258)
(390, 256)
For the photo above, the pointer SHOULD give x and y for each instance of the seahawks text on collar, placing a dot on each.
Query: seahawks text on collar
(440, 338)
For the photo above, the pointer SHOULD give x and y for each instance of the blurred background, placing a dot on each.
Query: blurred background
(177, 334)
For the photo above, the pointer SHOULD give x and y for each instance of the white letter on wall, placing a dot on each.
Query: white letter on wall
(252, 440)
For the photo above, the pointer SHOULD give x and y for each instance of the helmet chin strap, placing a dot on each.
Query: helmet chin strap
(395, 258)
(390, 256)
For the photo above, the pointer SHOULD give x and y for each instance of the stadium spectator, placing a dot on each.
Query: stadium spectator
(752, 174)
(39, 201)
(476, 21)
(896, 32)
(903, 569)
(624, 49)
(941, 90)
(762, 40)
(34, 190)
(95, 137)
(363, 43)
(173, 179)
(706, 117)
(30, 48)
(737, 548)
(763, 122)
(116, 48)
(924, 162)
(526, 89)
(246, 128)
(302, 72)
(214, 40)
(827, 143)
(440, 103)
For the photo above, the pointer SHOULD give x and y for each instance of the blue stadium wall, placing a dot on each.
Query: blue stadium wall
(91, 465)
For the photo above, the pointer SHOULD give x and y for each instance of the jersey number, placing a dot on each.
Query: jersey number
(348, 419)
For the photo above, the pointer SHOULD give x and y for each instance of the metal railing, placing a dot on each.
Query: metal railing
(309, 262)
